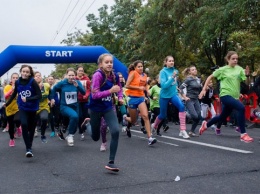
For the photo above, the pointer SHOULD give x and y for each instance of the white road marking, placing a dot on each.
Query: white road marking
(201, 143)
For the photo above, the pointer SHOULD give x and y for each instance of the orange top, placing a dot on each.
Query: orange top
(139, 80)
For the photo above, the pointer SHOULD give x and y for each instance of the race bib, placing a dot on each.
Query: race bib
(71, 97)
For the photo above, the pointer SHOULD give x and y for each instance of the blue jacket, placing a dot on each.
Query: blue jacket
(68, 92)
(168, 83)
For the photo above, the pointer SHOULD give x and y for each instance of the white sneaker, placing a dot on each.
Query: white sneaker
(124, 129)
(213, 127)
(82, 137)
(70, 140)
(5, 130)
(153, 129)
(36, 133)
(103, 147)
(124, 120)
(184, 134)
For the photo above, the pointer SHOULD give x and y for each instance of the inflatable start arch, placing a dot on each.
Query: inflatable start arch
(14, 54)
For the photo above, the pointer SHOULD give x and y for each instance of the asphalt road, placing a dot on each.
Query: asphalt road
(205, 164)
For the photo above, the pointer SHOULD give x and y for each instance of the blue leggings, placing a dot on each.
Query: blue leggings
(112, 122)
(72, 114)
(175, 100)
(228, 104)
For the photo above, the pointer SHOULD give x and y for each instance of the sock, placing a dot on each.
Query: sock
(157, 122)
(182, 117)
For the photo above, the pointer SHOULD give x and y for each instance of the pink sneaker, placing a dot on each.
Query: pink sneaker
(246, 138)
(203, 127)
(19, 131)
(11, 143)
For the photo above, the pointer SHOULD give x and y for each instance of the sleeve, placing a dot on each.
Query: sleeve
(38, 92)
(81, 88)
(88, 82)
(242, 74)
(8, 91)
(97, 81)
(13, 94)
(120, 92)
(184, 85)
(218, 74)
(55, 88)
(164, 81)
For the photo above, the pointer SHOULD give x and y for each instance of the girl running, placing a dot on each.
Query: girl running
(168, 80)
(230, 77)
(29, 95)
(105, 83)
(193, 88)
(69, 106)
(136, 85)
(12, 111)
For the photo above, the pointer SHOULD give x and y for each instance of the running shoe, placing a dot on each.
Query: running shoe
(192, 134)
(124, 129)
(103, 147)
(217, 131)
(213, 127)
(203, 127)
(153, 128)
(143, 130)
(124, 120)
(184, 134)
(36, 133)
(82, 137)
(151, 141)
(11, 143)
(43, 139)
(70, 140)
(246, 138)
(60, 135)
(166, 128)
(85, 122)
(52, 134)
(238, 130)
(128, 132)
(19, 131)
(112, 167)
(159, 134)
(29, 153)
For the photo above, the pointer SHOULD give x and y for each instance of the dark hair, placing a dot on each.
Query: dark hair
(132, 66)
(30, 68)
(80, 66)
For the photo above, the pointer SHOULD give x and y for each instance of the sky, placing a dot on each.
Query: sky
(43, 23)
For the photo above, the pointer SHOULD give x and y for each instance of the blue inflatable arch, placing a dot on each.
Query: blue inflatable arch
(14, 54)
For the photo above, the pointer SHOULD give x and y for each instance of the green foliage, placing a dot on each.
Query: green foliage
(194, 32)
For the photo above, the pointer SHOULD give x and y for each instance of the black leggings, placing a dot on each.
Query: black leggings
(11, 120)
(28, 122)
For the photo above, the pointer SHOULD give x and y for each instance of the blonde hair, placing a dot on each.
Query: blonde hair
(101, 57)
